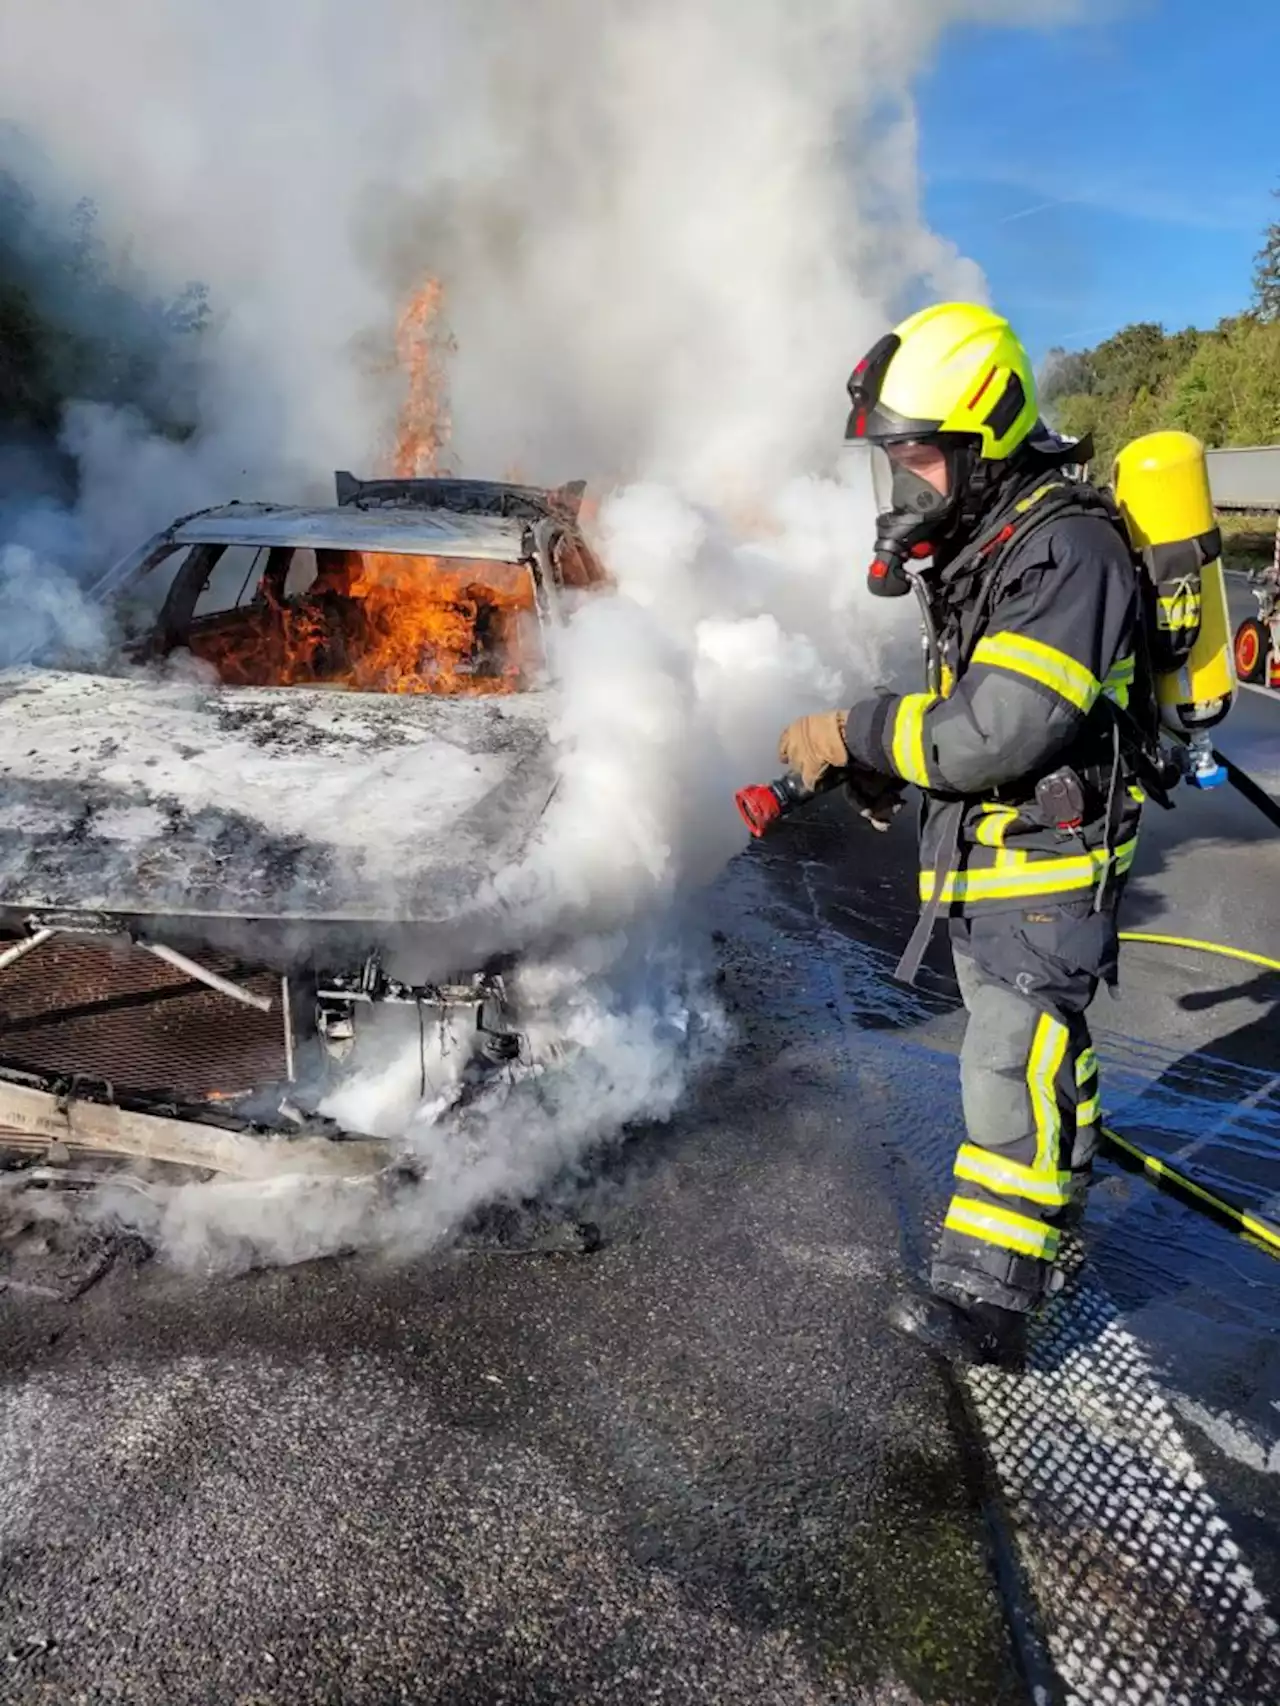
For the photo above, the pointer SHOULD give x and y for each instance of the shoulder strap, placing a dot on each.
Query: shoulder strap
(1138, 734)
(1051, 501)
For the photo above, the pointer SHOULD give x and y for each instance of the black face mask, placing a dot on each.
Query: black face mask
(915, 520)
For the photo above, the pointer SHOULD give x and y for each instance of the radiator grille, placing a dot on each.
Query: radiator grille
(108, 1010)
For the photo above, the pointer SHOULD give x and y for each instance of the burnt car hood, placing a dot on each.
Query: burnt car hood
(141, 796)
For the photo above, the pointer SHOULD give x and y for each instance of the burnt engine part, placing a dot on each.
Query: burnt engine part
(480, 1002)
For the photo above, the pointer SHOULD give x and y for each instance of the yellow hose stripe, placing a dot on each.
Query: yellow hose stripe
(1253, 1224)
(1035, 497)
(1056, 670)
(908, 738)
(1011, 1178)
(1048, 1050)
(1246, 1222)
(1201, 947)
(1000, 1226)
(1038, 876)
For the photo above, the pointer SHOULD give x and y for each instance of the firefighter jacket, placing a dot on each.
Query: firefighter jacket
(1036, 631)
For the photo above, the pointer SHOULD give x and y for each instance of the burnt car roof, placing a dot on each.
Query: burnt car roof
(467, 497)
(410, 531)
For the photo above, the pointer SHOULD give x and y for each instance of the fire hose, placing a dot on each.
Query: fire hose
(762, 805)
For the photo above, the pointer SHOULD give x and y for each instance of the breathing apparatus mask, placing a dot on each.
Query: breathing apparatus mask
(920, 488)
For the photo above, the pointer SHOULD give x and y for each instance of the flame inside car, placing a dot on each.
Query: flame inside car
(377, 622)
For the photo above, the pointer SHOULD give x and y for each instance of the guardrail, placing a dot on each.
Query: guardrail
(1246, 480)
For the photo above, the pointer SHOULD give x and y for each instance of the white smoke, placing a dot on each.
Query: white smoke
(665, 229)
(675, 690)
(665, 226)
(630, 1020)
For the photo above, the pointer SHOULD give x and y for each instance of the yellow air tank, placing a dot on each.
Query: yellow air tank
(1161, 484)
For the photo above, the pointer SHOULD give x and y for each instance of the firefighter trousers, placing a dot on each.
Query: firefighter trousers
(1029, 1081)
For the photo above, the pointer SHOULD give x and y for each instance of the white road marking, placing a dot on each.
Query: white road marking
(1146, 1596)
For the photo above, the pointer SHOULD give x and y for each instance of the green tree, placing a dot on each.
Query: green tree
(1222, 385)
(77, 320)
(1095, 417)
(1266, 276)
(1066, 373)
(1136, 357)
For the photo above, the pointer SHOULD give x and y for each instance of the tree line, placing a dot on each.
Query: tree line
(77, 320)
(1222, 385)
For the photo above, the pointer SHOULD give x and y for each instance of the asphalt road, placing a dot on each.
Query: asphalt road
(695, 1465)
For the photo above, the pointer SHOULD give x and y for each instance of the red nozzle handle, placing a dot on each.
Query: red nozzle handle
(759, 807)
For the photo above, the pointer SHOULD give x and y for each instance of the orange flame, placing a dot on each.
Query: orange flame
(381, 622)
(375, 622)
(439, 625)
(422, 348)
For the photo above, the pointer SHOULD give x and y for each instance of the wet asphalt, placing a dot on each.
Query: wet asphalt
(692, 1466)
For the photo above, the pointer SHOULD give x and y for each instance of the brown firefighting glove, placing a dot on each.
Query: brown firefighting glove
(873, 795)
(813, 746)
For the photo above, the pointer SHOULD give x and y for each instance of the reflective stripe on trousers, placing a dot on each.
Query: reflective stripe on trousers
(1029, 1079)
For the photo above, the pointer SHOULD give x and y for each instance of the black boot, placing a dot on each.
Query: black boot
(962, 1329)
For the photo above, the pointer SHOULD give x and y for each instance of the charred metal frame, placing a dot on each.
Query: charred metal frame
(44, 929)
(538, 555)
(466, 497)
(79, 1119)
(47, 927)
(20, 950)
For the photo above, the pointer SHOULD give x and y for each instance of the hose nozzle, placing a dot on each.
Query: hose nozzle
(763, 803)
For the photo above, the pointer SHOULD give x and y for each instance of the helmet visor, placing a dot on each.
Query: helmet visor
(914, 478)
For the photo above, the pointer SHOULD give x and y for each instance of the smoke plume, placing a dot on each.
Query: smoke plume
(664, 230)
(663, 227)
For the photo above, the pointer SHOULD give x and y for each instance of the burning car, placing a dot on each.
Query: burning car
(323, 736)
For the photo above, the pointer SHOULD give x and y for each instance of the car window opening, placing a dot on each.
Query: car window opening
(372, 622)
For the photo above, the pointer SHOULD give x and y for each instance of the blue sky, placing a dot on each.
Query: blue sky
(1111, 171)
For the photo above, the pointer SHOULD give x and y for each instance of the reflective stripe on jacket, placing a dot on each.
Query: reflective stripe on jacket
(1021, 692)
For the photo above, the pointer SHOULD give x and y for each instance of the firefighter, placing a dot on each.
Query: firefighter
(1030, 804)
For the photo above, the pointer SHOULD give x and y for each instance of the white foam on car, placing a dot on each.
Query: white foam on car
(351, 769)
(124, 793)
